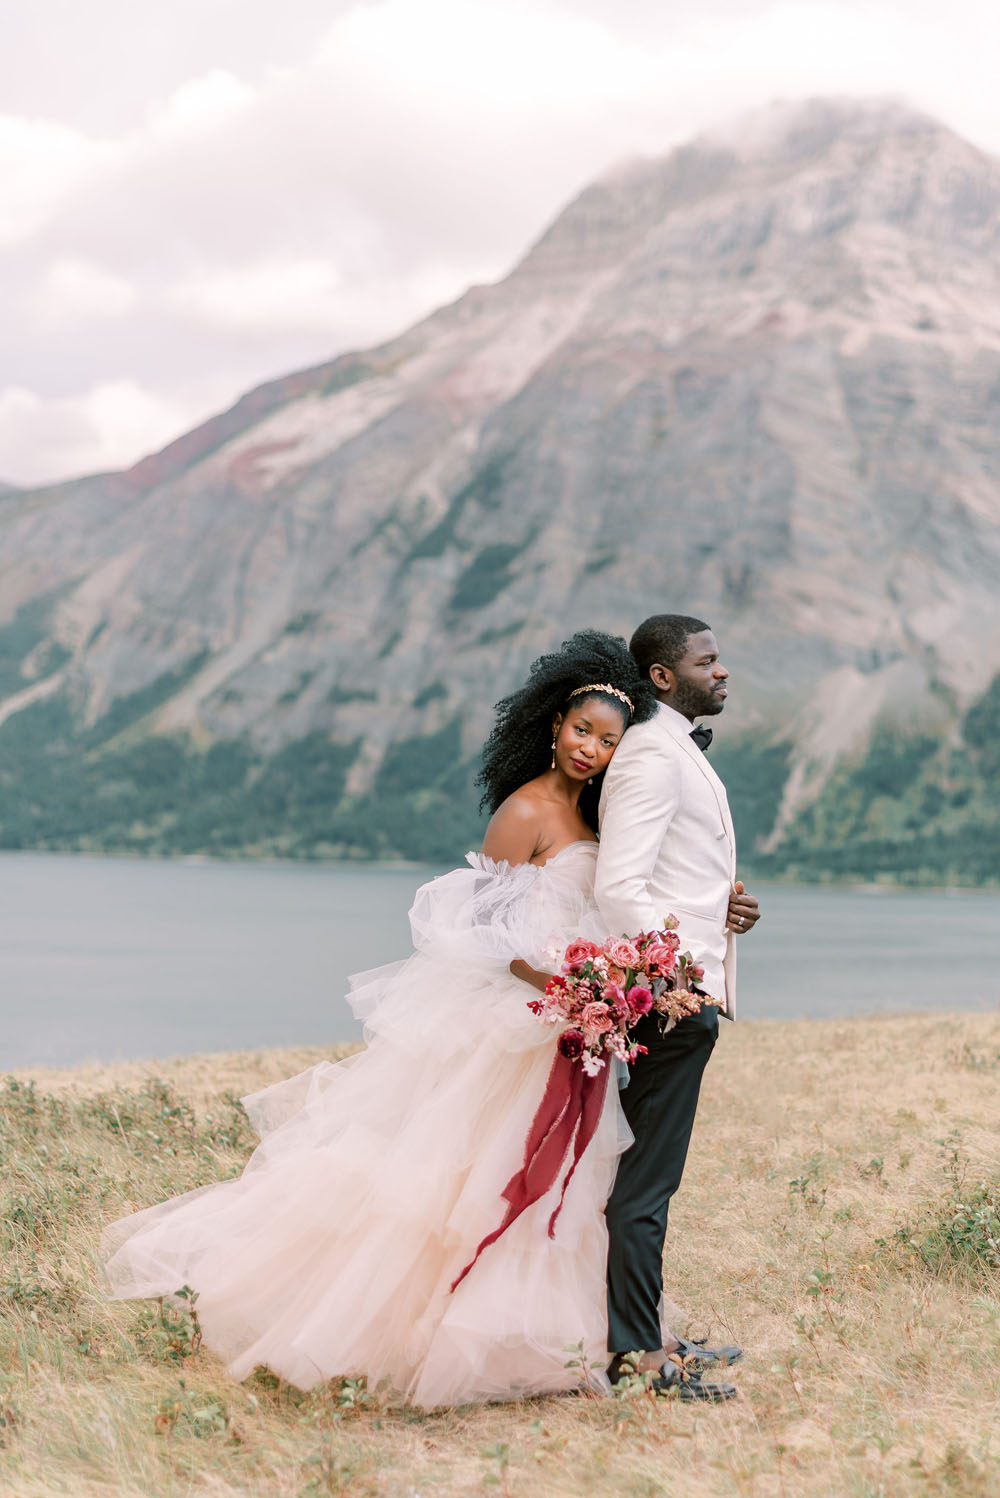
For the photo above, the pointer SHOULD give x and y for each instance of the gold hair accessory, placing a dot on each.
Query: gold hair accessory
(603, 686)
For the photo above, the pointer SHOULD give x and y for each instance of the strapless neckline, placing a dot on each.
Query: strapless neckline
(580, 842)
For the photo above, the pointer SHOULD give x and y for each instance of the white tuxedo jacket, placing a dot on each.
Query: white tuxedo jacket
(668, 847)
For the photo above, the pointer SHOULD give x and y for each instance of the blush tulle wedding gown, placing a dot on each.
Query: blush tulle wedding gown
(377, 1177)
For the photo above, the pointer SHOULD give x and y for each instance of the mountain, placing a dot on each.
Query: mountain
(757, 379)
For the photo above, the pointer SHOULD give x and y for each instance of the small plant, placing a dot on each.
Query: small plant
(172, 1331)
(24, 1110)
(333, 1474)
(201, 1416)
(148, 1118)
(822, 1289)
(974, 1060)
(25, 1290)
(960, 1231)
(580, 1364)
(10, 1415)
(808, 1186)
(496, 1474)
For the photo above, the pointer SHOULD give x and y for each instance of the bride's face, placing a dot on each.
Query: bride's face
(587, 737)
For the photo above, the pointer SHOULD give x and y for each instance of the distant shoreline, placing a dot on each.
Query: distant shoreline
(206, 1072)
(880, 885)
(215, 1071)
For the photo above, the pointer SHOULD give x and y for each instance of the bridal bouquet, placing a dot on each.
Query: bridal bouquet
(603, 989)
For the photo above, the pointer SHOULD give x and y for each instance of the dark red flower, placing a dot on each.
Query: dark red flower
(571, 1044)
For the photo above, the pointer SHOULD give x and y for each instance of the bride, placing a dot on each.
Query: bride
(335, 1253)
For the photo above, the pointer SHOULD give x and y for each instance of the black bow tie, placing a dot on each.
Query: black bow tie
(702, 736)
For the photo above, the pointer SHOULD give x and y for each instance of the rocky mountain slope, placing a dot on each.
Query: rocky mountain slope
(757, 380)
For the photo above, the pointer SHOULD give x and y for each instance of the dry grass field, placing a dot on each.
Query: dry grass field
(839, 1217)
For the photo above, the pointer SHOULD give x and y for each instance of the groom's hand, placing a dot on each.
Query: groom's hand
(744, 912)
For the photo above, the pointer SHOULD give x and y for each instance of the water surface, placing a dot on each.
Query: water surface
(105, 958)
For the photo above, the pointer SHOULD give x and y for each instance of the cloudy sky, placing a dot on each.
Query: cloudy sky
(196, 195)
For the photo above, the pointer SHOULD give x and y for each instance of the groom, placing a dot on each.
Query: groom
(667, 846)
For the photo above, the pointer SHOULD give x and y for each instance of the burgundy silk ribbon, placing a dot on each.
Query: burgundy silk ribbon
(567, 1115)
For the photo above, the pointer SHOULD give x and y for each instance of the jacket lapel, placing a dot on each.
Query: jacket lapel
(679, 730)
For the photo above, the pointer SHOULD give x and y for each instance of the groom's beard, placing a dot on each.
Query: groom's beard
(695, 701)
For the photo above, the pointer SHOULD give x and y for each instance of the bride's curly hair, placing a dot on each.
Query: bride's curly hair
(520, 746)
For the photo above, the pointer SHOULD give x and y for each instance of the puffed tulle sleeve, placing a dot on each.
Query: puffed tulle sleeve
(468, 926)
(489, 913)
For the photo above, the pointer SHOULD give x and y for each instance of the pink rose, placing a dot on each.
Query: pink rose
(613, 993)
(659, 959)
(577, 953)
(639, 1000)
(597, 1018)
(614, 974)
(621, 952)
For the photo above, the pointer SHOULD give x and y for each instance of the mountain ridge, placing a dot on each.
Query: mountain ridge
(753, 381)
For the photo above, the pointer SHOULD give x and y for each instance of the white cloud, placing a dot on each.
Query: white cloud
(271, 295)
(78, 290)
(41, 163)
(201, 103)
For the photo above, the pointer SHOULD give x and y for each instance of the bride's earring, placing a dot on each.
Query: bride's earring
(553, 765)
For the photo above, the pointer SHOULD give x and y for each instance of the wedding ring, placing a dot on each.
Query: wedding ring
(740, 919)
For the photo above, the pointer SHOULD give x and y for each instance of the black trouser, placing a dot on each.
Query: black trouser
(659, 1103)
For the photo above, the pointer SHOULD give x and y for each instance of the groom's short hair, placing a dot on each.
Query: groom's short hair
(662, 640)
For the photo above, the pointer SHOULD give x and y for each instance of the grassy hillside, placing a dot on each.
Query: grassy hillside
(839, 1218)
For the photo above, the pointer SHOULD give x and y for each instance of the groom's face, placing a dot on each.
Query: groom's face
(696, 686)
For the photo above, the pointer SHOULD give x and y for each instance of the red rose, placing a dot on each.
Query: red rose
(571, 1044)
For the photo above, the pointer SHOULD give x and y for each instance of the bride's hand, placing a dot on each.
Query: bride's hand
(529, 974)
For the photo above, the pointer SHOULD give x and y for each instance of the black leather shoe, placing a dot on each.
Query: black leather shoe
(697, 1356)
(673, 1381)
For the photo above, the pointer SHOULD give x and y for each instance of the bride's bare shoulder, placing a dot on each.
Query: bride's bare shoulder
(515, 828)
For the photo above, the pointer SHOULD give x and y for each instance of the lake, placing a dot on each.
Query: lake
(108, 958)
